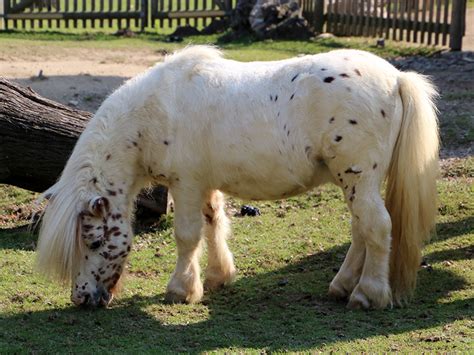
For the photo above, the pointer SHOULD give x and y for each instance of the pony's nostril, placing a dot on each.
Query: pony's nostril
(86, 299)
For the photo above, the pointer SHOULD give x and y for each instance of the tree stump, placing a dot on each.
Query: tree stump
(37, 136)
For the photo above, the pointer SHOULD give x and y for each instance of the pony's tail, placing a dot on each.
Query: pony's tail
(411, 186)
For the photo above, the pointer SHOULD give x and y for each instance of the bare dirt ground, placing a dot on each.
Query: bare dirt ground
(83, 77)
(79, 77)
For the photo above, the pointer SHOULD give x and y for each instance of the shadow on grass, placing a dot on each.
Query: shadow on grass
(286, 309)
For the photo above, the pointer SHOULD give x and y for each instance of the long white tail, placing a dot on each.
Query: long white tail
(411, 188)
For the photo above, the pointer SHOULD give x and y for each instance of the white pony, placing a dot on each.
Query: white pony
(201, 124)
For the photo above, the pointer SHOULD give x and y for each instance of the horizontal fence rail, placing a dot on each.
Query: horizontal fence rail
(419, 21)
(112, 14)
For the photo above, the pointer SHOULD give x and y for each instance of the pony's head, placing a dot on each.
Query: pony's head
(85, 239)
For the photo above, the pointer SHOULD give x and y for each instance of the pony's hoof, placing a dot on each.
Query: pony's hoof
(337, 291)
(172, 298)
(214, 282)
(358, 301)
(365, 298)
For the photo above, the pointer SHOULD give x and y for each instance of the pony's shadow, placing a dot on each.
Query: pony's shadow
(286, 309)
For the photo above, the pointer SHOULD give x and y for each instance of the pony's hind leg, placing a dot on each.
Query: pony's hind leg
(373, 226)
(185, 284)
(349, 274)
(220, 266)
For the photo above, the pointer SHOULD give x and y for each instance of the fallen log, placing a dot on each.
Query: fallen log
(37, 136)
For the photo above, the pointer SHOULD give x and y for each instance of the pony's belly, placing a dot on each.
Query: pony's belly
(275, 185)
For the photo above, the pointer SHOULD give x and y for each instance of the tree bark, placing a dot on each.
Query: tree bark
(37, 136)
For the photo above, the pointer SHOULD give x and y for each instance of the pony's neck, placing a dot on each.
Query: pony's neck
(110, 155)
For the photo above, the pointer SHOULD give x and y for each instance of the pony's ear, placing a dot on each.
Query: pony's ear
(99, 206)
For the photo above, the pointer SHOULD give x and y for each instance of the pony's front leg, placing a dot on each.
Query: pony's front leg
(349, 274)
(374, 226)
(220, 266)
(185, 284)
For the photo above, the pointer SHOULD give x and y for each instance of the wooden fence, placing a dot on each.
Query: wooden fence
(420, 21)
(112, 14)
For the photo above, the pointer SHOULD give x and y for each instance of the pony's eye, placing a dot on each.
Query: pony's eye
(95, 245)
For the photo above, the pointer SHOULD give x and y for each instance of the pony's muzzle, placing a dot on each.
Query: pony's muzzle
(97, 299)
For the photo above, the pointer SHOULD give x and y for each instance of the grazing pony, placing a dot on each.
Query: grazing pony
(203, 126)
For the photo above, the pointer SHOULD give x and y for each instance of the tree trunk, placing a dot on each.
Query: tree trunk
(37, 136)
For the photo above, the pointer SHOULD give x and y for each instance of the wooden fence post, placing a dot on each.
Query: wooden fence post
(144, 13)
(457, 24)
(5, 11)
(319, 16)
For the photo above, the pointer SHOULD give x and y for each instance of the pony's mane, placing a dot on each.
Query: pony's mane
(194, 54)
(58, 249)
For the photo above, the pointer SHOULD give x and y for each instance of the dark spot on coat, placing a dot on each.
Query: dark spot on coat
(111, 192)
(94, 180)
(340, 180)
(357, 71)
(344, 75)
(338, 138)
(97, 278)
(374, 166)
(352, 171)
(208, 219)
(111, 247)
(129, 248)
(351, 198)
(166, 142)
(331, 120)
(105, 255)
(271, 97)
(345, 187)
(287, 133)
(87, 258)
(382, 112)
(353, 190)
(276, 98)
(108, 157)
(294, 78)
(120, 191)
(328, 79)
(134, 144)
(323, 69)
(292, 96)
(352, 121)
(139, 135)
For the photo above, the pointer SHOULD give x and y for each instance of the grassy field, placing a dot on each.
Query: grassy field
(286, 258)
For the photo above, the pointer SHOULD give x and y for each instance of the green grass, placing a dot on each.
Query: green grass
(245, 49)
(286, 259)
